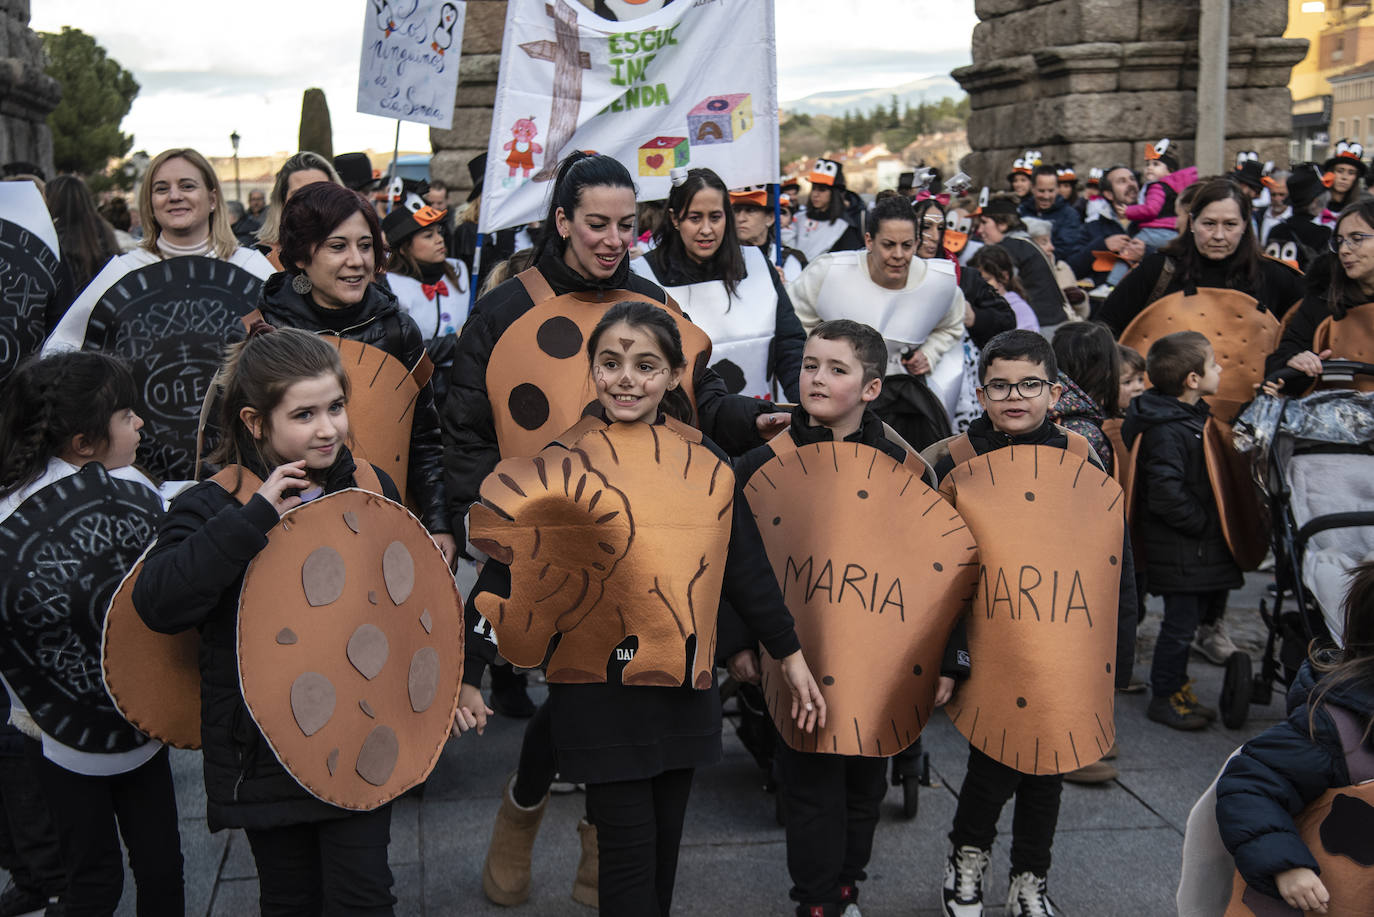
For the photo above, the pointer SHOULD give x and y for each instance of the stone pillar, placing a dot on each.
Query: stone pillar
(27, 93)
(1090, 81)
(482, 31)
(1214, 24)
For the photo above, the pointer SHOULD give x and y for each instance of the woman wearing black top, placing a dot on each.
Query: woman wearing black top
(731, 292)
(1219, 250)
(1347, 298)
(331, 245)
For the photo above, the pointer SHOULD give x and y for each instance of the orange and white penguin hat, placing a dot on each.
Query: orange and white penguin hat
(1165, 151)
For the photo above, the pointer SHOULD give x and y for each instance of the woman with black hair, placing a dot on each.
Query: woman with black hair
(828, 222)
(515, 386)
(86, 240)
(731, 292)
(1218, 250)
(1334, 319)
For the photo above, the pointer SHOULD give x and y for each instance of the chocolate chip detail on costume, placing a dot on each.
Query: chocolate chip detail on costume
(286, 636)
(423, 680)
(351, 520)
(377, 758)
(312, 701)
(398, 572)
(426, 621)
(367, 650)
(332, 762)
(323, 576)
(559, 337)
(529, 407)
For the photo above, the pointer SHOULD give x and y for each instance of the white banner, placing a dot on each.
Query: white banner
(693, 84)
(409, 66)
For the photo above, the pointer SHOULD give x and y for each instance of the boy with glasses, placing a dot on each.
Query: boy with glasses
(1016, 394)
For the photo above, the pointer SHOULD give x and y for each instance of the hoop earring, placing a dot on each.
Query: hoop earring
(301, 285)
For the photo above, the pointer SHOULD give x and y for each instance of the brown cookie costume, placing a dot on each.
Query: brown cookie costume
(874, 625)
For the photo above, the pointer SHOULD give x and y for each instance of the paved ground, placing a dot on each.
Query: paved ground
(1117, 851)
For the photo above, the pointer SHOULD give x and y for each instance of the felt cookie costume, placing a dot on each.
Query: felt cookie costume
(350, 648)
(874, 623)
(1335, 828)
(1044, 617)
(29, 271)
(600, 550)
(1240, 331)
(1350, 338)
(548, 343)
(67, 548)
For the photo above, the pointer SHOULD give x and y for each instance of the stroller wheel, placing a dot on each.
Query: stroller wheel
(1235, 690)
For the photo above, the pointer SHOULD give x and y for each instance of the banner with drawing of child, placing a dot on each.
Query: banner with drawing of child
(409, 64)
(691, 84)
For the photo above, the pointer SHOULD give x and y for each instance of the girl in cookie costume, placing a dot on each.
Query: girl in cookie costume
(283, 410)
(518, 382)
(67, 420)
(634, 714)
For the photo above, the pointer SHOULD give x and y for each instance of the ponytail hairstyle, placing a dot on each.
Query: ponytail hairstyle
(577, 172)
(655, 320)
(256, 374)
(728, 261)
(49, 401)
(1353, 663)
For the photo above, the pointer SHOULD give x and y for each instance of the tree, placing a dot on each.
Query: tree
(96, 95)
(316, 134)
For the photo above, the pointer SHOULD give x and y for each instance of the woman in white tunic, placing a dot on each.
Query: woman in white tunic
(915, 304)
(731, 292)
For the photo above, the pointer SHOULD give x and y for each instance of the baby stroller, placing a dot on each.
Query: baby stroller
(1313, 457)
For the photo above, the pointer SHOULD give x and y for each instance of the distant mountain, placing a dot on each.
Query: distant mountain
(930, 89)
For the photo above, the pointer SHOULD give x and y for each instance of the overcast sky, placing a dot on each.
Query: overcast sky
(209, 69)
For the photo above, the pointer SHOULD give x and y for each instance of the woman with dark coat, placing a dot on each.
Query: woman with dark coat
(1218, 250)
(331, 245)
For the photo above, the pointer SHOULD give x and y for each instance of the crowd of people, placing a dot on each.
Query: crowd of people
(936, 332)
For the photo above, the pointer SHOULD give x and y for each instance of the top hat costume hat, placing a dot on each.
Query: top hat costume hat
(1349, 153)
(355, 171)
(1305, 183)
(411, 214)
(1248, 170)
(477, 171)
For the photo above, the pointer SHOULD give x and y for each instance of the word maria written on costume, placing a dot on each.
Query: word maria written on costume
(838, 584)
(691, 84)
(409, 65)
(1027, 593)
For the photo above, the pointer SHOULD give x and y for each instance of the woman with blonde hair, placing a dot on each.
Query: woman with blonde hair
(177, 316)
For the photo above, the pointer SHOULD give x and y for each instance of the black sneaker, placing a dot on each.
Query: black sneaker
(508, 694)
(16, 901)
(1175, 712)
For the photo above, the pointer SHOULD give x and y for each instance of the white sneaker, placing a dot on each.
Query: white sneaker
(1028, 897)
(962, 895)
(1213, 643)
(852, 911)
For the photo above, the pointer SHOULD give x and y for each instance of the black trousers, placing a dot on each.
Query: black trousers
(832, 804)
(538, 762)
(335, 867)
(92, 813)
(1183, 612)
(29, 851)
(987, 787)
(639, 830)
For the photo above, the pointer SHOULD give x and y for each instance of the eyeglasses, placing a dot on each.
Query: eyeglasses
(1026, 388)
(1354, 240)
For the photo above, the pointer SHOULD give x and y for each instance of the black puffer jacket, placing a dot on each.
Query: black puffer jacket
(1177, 517)
(1278, 774)
(191, 578)
(1037, 279)
(377, 320)
(991, 313)
(470, 448)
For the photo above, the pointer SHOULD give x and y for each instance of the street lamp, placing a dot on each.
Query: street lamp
(238, 188)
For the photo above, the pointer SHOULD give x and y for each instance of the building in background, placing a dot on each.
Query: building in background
(1331, 85)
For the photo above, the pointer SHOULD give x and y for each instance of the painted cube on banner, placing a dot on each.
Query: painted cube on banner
(720, 119)
(661, 154)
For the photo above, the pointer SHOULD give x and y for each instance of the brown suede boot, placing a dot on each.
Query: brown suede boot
(506, 873)
(588, 868)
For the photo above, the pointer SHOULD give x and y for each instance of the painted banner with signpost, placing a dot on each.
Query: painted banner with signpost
(693, 84)
(409, 64)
